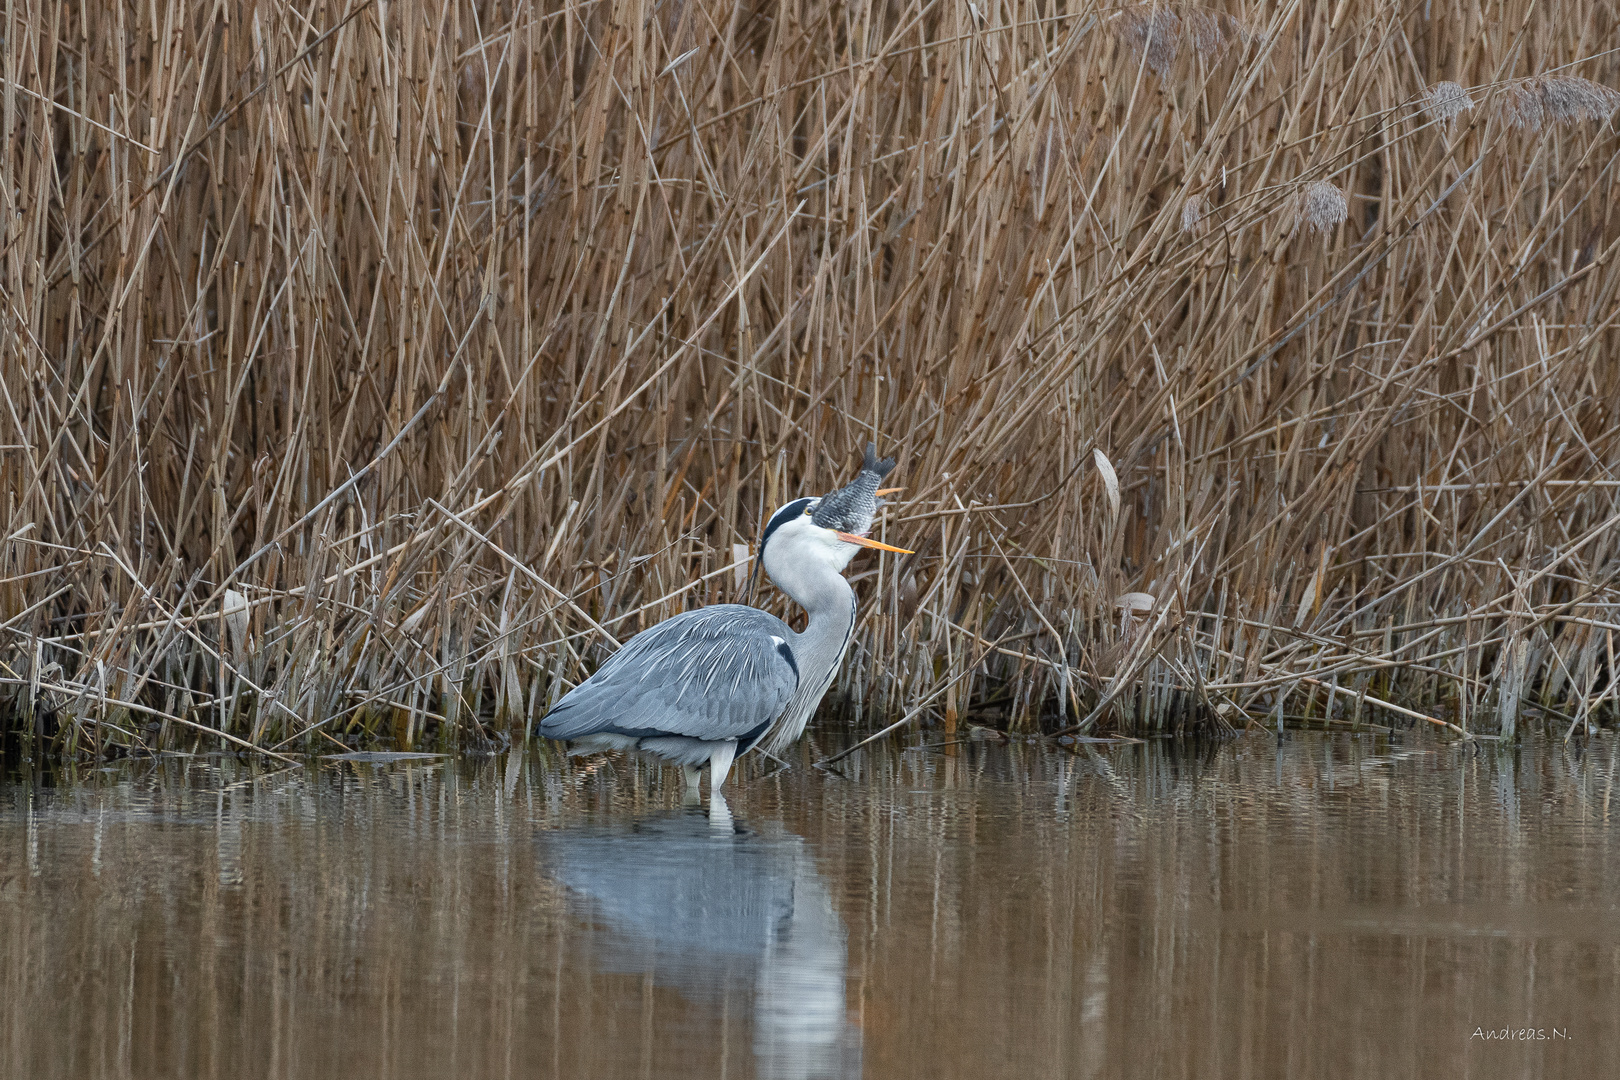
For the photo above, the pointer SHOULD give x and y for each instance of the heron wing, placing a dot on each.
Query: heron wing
(720, 672)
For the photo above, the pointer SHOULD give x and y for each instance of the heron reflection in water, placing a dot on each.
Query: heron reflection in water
(704, 910)
(706, 685)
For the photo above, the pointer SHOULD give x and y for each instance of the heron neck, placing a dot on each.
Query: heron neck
(830, 602)
(831, 606)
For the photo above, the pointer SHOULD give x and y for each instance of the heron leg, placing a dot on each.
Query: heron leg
(691, 772)
(720, 764)
(719, 814)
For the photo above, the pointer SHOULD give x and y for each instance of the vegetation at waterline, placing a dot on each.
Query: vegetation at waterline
(372, 368)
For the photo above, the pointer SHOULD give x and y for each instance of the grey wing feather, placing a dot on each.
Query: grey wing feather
(720, 672)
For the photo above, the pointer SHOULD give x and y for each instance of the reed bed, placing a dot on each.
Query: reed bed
(371, 369)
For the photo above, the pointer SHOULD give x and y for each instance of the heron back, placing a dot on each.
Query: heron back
(715, 673)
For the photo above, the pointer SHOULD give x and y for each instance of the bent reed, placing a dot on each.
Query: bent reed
(371, 369)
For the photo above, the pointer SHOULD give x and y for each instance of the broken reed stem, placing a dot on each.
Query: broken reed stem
(447, 344)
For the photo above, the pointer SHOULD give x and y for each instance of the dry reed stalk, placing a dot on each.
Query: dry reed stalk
(369, 370)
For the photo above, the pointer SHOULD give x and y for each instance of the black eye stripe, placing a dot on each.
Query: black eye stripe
(792, 510)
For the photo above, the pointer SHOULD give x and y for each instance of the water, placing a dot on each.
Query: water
(1331, 906)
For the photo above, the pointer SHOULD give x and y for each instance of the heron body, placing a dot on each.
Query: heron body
(706, 685)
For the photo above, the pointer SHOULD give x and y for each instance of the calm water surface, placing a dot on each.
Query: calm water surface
(1331, 906)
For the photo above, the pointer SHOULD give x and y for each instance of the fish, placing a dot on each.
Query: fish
(853, 507)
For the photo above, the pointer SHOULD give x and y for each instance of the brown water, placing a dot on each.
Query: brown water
(1333, 906)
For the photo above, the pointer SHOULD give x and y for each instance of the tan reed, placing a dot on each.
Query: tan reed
(372, 368)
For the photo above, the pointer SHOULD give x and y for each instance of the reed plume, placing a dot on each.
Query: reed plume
(1557, 99)
(1192, 214)
(1322, 207)
(1445, 101)
(1157, 33)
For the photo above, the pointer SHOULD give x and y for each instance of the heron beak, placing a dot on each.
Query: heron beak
(851, 538)
(887, 491)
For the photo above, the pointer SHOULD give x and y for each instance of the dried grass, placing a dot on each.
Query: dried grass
(462, 340)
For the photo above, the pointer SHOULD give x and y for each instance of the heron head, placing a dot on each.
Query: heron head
(827, 530)
(794, 545)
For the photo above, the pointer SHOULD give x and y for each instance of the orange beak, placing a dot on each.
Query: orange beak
(851, 538)
(887, 491)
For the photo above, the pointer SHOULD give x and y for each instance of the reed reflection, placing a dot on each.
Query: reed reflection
(712, 908)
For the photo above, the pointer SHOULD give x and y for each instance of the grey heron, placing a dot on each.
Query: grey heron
(706, 685)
